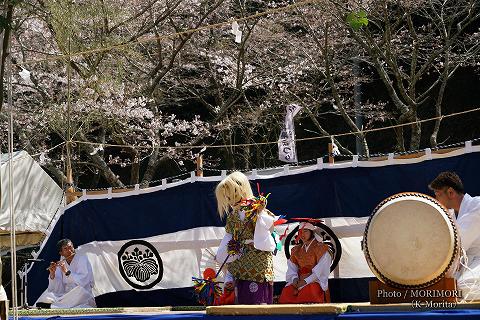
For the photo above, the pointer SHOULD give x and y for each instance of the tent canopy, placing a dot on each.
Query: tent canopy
(36, 199)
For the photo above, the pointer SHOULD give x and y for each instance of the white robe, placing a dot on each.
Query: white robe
(3, 294)
(468, 222)
(73, 291)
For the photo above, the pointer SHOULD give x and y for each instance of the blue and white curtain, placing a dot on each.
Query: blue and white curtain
(145, 245)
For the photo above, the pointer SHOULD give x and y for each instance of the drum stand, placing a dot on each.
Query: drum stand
(24, 285)
(24, 278)
(381, 293)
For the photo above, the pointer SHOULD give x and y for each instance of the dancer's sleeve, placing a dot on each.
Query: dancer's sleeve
(222, 252)
(262, 238)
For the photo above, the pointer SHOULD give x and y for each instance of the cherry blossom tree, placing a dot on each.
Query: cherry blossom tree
(129, 91)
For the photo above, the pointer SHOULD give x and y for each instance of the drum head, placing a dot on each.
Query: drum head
(410, 241)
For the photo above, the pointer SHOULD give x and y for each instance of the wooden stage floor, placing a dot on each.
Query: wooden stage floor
(239, 310)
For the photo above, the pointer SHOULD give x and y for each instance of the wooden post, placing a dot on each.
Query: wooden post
(199, 170)
(70, 192)
(331, 159)
(4, 310)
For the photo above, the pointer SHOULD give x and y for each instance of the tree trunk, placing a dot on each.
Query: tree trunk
(95, 180)
(416, 135)
(5, 46)
(400, 140)
(135, 170)
(365, 146)
(100, 163)
(260, 160)
(152, 168)
(229, 156)
(438, 103)
(153, 161)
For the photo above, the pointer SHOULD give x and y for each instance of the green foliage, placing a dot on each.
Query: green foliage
(357, 19)
(61, 20)
(81, 25)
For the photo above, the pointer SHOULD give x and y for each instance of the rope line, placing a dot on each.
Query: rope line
(298, 164)
(275, 142)
(169, 36)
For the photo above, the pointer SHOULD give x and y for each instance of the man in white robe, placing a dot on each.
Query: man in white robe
(449, 191)
(70, 281)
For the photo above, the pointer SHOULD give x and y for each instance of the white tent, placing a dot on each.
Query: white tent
(36, 197)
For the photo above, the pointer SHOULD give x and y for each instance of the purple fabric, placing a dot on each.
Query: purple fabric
(251, 292)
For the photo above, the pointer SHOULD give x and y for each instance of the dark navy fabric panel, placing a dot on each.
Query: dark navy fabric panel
(355, 192)
(160, 298)
(184, 207)
(341, 290)
(348, 192)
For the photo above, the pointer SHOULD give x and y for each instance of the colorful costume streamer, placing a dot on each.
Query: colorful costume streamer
(208, 289)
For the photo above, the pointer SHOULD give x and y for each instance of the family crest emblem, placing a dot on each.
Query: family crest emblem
(140, 264)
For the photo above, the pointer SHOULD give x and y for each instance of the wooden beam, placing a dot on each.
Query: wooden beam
(199, 161)
(331, 159)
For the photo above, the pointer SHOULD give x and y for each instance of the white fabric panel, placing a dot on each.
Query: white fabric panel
(36, 196)
(353, 263)
(184, 254)
(350, 231)
(346, 227)
(188, 253)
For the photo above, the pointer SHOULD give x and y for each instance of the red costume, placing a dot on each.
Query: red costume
(309, 262)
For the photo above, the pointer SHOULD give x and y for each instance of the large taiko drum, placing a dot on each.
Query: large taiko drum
(411, 241)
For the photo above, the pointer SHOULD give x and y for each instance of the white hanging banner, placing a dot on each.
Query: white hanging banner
(335, 150)
(237, 32)
(286, 142)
